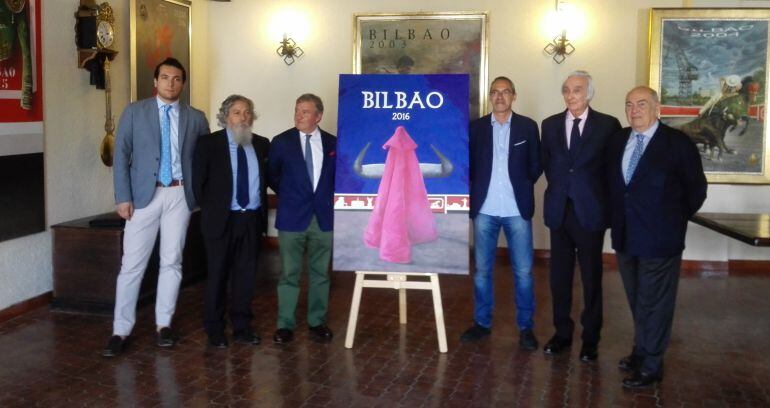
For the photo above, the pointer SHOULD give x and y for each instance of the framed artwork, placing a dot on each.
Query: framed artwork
(425, 43)
(159, 29)
(710, 69)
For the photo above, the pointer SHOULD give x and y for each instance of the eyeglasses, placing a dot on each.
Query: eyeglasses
(505, 92)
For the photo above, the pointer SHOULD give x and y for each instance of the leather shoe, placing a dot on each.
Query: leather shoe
(589, 352)
(475, 332)
(246, 336)
(115, 346)
(166, 337)
(631, 362)
(641, 380)
(527, 340)
(283, 336)
(556, 345)
(320, 333)
(218, 340)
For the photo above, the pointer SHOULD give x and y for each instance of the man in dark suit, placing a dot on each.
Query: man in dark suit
(230, 185)
(301, 172)
(656, 184)
(152, 173)
(504, 166)
(575, 209)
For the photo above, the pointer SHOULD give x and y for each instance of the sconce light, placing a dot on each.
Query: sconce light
(560, 47)
(288, 50)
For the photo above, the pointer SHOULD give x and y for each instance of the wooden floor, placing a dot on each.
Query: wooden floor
(719, 354)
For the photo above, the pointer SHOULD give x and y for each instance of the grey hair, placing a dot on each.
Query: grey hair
(228, 103)
(587, 76)
(653, 93)
(315, 100)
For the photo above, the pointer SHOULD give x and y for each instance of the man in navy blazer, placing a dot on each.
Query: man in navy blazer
(230, 184)
(656, 184)
(504, 166)
(575, 209)
(301, 172)
(152, 173)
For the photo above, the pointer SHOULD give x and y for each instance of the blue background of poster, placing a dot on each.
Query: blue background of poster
(445, 127)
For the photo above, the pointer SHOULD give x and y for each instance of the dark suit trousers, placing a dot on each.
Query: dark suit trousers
(232, 257)
(651, 285)
(570, 240)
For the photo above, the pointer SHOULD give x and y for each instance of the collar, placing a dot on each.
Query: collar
(583, 116)
(649, 132)
(313, 134)
(174, 105)
(507, 121)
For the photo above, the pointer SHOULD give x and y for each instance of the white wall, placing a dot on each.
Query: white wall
(234, 53)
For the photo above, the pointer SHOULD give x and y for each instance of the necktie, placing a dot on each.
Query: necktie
(635, 156)
(242, 179)
(309, 158)
(574, 136)
(165, 176)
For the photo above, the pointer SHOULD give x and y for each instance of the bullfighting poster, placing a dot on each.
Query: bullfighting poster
(22, 200)
(401, 195)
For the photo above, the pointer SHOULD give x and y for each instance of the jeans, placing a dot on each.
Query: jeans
(518, 234)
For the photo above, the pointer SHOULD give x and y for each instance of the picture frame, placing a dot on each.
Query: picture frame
(710, 69)
(425, 43)
(159, 29)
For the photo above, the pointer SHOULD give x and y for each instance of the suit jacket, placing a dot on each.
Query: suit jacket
(523, 162)
(136, 161)
(213, 180)
(287, 176)
(649, 216)
(581, 176)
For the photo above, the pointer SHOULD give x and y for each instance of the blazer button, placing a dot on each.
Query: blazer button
(571, 170)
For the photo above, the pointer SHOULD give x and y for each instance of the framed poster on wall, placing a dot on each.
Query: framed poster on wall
(159, 29)
(710, 69)
(425, 43)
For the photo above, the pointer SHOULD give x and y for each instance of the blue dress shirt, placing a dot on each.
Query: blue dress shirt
(500, 201)
(631, 144)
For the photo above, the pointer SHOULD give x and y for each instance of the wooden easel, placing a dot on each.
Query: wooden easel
(398, 281)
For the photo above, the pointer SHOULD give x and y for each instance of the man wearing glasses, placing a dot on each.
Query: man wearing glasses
(504, 166)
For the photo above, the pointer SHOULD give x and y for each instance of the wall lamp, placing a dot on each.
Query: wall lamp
(564, 17)
(288, 50)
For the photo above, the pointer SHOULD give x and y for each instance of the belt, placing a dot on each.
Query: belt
(174, 183)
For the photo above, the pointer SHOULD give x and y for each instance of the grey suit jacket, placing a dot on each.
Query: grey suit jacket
(137, 151)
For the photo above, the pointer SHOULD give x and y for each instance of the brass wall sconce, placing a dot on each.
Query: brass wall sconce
(288, 50)
(560, 47)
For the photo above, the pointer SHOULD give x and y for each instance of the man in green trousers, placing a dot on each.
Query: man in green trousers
(301, 172)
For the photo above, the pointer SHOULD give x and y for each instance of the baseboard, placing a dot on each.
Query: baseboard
(25, 306)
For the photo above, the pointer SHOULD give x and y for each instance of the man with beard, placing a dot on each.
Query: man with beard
(229, 182)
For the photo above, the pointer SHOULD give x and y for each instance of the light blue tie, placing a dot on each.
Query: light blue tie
(165, 175)
(309, 158)
(635, 156)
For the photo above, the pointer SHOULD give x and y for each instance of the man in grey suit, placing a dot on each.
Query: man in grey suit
(153, 191)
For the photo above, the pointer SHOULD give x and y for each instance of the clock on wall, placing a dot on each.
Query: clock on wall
(95, 38)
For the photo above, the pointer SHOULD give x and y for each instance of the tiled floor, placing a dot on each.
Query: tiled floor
(719, 355)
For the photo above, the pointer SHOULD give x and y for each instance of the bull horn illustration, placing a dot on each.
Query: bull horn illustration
(428, 170)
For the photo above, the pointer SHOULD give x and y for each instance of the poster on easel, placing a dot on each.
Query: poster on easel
(402, 184)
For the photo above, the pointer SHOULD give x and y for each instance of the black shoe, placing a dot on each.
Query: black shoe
(527, 340)
(589, 352)
(246, 336)
(115, 346)
(475, 332)
(631, 362)
(283, 336)
(166, 337)
(320, 333)
(218, 340)
(641, 380)
(556, 345)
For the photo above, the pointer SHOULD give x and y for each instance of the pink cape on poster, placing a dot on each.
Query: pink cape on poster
(401, 215)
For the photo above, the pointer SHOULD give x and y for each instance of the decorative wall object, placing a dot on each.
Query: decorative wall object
(710, 69)
(22, 193)
(159, 29)
(425, 43)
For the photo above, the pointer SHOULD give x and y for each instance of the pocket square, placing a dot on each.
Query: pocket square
(520, 143)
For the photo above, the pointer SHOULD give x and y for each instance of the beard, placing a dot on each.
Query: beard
(241, 134)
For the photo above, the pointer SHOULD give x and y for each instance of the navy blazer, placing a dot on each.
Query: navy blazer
(649, 216)
(523, 162)
(581, 176)
(287, 176)
(213, 180)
